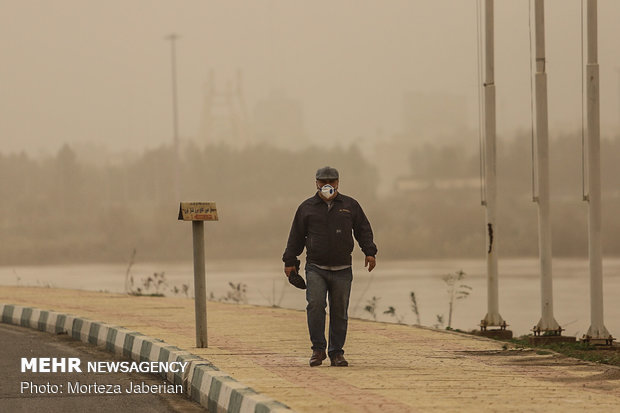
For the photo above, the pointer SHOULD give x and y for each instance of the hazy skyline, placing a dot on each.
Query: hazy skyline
(99, 72)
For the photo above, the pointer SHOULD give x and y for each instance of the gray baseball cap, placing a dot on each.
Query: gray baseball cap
(326, 173)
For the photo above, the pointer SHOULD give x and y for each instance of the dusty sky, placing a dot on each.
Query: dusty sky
(99, 71)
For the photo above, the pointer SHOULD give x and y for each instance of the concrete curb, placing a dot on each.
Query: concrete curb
(203, 382)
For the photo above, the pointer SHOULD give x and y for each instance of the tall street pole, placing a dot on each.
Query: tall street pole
(597, 328)
(492, 317)
(175, 113)
(547, 321)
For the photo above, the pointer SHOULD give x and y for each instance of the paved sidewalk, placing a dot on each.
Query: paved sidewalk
(393, 368)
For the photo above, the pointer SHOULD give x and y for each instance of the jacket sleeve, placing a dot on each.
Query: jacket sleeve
(363, 232)
(296, 239)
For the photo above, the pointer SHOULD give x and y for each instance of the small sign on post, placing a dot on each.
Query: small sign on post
(198, 212)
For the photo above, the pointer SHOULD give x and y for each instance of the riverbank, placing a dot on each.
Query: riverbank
(391, 282)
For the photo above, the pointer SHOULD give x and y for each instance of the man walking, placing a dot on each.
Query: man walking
(325, 225)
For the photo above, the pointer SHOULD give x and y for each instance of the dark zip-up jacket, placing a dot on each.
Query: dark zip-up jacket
(328, 234)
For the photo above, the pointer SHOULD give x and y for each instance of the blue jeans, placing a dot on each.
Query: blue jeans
(336, 286)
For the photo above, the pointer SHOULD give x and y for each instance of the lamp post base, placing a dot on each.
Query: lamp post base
(498, 334)
(536, 340)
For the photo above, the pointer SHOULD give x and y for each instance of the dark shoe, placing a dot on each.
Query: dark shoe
(317, 358)
(339, 361)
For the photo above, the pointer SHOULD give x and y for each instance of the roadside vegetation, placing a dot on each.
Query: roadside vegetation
(579, 350)
(458, 290)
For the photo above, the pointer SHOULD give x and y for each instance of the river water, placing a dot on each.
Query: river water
(391, 282)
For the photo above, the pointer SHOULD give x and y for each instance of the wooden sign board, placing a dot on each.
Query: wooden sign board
(198, 211)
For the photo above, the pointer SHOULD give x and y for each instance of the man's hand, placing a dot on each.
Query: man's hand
(370, 262)
(287, 270)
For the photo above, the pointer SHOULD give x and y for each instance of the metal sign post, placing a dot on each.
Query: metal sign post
(198, 212)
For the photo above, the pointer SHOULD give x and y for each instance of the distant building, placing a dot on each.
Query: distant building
(392, 158)
(427, 116)
(278, 120)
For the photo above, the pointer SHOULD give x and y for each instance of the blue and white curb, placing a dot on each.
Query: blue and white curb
(203, 382)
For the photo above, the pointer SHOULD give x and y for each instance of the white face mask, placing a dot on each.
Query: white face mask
(328, 191)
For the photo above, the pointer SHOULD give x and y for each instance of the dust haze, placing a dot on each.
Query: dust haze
(269, 91)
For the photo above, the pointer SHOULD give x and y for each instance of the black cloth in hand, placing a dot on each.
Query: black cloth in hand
(296, 279)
